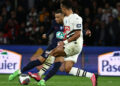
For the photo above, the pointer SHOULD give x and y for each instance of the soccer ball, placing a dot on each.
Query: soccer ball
(24, 79)
(60, 35)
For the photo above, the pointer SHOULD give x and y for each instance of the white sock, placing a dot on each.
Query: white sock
(78, 72)
(47, 64)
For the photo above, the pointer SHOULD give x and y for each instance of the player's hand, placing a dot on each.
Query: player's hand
(61, 43)
(44, 36)
(88, 33)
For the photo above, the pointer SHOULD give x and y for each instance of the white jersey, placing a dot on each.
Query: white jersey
(73, 23)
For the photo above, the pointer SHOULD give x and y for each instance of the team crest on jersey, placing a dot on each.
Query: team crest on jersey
(78, 25)
(61, 27)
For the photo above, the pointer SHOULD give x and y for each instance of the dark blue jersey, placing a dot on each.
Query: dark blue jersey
(55, 27)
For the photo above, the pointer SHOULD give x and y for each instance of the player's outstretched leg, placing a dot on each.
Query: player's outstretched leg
(29, 66)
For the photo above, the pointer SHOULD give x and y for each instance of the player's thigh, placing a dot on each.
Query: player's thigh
(72, 58)
(72, 48)
(59, 59)
(68, 65)
(58, 51)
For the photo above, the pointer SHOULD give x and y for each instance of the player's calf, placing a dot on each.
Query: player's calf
(68, 66)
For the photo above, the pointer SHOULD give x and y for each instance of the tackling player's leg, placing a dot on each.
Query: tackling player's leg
(79, 72)
(30, 65)
(53, 71)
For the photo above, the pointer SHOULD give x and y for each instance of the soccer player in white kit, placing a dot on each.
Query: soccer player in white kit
(68, 50)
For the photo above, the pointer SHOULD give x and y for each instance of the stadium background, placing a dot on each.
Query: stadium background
(22, 23)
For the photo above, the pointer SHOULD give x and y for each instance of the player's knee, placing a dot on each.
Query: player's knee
(67, 69)
(55, 52)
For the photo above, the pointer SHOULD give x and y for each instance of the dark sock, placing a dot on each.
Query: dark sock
(53, 71)
(31, 65)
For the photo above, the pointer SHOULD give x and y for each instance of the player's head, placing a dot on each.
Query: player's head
(59, 16)
(66, 6)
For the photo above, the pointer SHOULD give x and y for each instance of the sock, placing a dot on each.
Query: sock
(47, 64)
(78, 72)
(31, 65)
(53, 71)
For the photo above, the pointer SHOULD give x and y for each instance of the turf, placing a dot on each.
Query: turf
(65, 81)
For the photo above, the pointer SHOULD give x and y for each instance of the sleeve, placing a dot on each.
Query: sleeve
(77, 24)
(50, 30)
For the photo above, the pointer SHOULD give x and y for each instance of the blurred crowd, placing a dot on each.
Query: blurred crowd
(22, 22)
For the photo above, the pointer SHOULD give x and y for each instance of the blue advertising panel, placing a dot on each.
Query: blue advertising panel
(90, 55)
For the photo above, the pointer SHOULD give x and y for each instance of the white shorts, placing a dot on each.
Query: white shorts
(72, 58)
(72, 50)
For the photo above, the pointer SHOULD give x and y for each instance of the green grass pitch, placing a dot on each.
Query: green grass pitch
(60, 80)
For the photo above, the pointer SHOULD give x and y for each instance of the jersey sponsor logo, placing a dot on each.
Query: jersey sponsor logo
(109, 64)
(66, 28)
(78, 25)
(9, 61)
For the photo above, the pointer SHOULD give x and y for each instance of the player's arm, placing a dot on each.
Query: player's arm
(75, 36)
(87, 32)
(49, 32)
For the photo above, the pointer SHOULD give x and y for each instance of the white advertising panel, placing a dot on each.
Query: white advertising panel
(109, 64)
(9, 61)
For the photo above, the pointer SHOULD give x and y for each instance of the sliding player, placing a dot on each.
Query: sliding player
(57, 26)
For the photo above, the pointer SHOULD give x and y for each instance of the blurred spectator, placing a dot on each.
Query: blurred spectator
(96, 31)
(12, 29)
(26, 26)
(106, 15)
(4, 14)
(118, 8)
(99, 13)
(21, 15)
(111, 31)
(1, 24)
(31, 32)
(22, 36)
(32, 16)
(39, 38)
(117, 22)
(94, 8)
(13, 15)
(8, 5)
(44, 15)
(87, 15)
(3, 38)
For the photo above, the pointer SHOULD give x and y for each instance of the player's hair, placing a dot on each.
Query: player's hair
(58, 11)
(67, 4)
